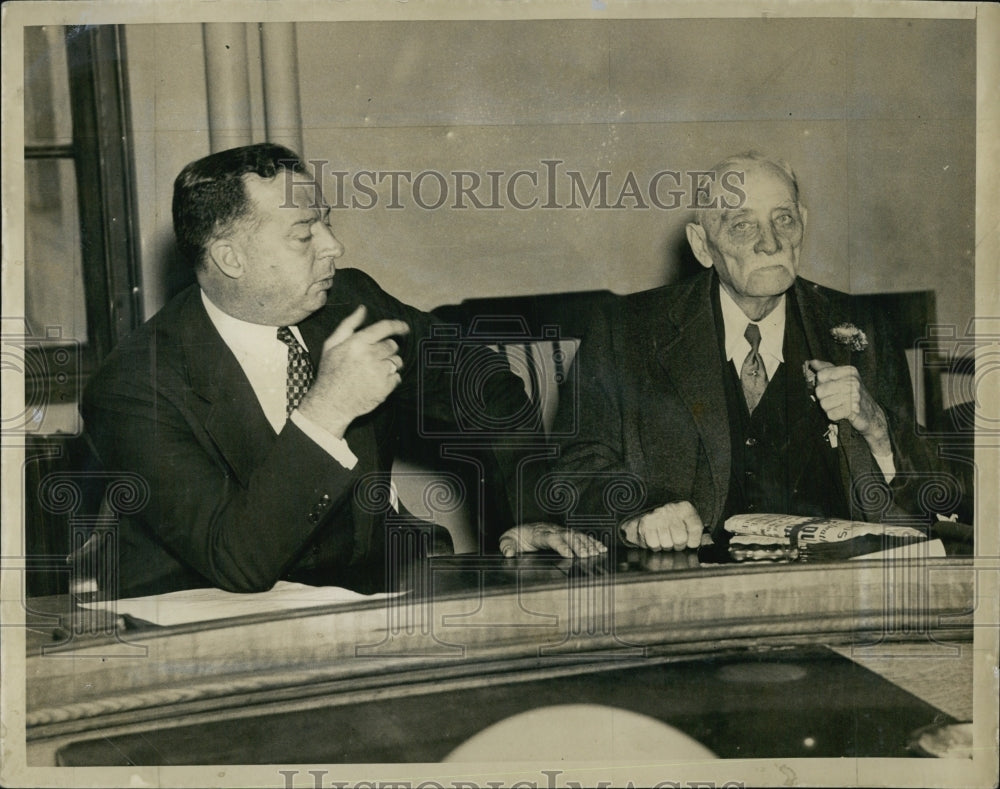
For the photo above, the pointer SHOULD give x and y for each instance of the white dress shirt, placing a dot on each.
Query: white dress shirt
(264, 359)
(772, 334)
(772, 339)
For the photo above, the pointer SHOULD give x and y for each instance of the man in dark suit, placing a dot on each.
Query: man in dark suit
(743, 388)
(261, 405)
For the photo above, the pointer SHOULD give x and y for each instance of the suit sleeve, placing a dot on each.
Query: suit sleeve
(591, 478)
(449, 380)
(240, 534)
(912, 454)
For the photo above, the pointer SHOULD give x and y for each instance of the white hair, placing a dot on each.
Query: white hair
(741, 161)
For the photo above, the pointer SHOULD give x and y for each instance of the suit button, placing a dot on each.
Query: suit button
(325, 498)
(751, 442)
(312, 517)
(750, 475)
(751, 507)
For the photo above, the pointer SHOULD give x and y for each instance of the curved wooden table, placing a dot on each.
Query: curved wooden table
(484, 622)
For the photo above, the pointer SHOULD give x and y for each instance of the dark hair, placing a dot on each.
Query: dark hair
(209, 194)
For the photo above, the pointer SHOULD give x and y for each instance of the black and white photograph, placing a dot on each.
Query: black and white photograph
(500, 394)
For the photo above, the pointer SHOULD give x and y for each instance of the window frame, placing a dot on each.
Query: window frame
(102, 154)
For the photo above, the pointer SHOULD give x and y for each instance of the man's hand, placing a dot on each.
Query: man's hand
(672, 527)
(539, 536)
(358, 370)
(841, 395)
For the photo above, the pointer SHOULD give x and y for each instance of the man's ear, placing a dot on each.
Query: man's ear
(804, 214)
(699, 244)
(226, 258)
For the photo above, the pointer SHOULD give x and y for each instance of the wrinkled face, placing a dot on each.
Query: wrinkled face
(755, 248)
(287, 251)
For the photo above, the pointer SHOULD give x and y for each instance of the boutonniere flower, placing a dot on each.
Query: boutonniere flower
(850, 335)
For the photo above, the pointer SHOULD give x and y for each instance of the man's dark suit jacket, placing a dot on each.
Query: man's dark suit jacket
(231, 503)
(651, 404)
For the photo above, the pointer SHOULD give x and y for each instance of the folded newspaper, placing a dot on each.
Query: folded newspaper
(773, 537)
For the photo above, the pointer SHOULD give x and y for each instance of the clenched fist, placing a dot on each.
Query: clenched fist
(841, 395)
(358, 370)
(672, 527)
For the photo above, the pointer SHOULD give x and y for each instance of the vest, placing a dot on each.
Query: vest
(781, 461)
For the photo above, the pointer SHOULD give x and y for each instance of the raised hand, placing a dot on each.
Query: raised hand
(358, 370)
(841, 395)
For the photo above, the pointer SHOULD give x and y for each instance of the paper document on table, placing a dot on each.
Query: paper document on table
(931, 549)
(808, 529)
(200, 605)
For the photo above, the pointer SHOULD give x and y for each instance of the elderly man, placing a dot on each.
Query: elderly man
(258, 403)
(743, 388)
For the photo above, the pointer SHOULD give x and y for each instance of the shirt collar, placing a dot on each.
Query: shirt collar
(772, 332)
(243, 338)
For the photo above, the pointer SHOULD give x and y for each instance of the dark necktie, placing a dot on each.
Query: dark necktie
(753, 374)
(300, 370)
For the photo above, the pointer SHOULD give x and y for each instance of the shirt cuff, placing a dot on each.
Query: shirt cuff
(336, 448)
(887, 465)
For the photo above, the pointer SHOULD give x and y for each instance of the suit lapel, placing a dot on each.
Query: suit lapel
(802, 413)
(234, 418)
(689, 355)
(820, 313)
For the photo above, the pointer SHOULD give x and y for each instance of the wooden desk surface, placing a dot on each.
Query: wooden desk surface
(485, 617)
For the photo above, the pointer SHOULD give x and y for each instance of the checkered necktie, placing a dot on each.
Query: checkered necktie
(753, 375)
(300, 370)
